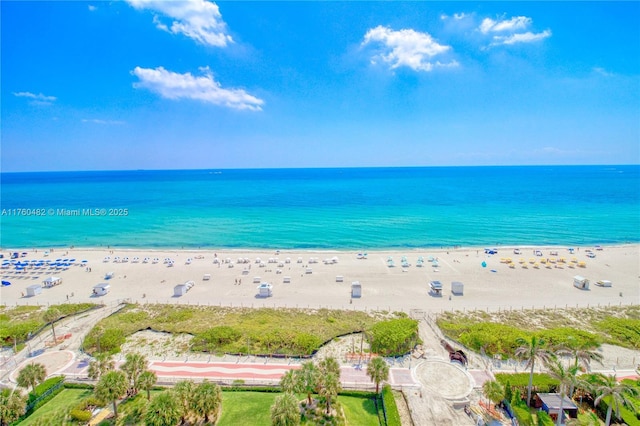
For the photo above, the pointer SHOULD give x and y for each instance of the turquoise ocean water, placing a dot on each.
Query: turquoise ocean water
(355, 208)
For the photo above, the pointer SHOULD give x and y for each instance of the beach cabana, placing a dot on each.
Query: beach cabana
(182, 289)
(265, 290)
(457, 288)
(286, 280)
(435, 288)
(339, 278)
(34, 290)
(356, 289)
(550, 402)
(101, 289)
(309, 271)
(581, 282)
(51, 282)
(206, 277)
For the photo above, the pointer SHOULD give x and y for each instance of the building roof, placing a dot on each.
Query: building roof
(552, 401)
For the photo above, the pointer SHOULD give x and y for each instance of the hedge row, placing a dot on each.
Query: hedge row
(391, 409)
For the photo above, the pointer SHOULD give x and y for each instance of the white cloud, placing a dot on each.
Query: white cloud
(511, 31)
(455, 16)
(603, 72)
(197, 19)
(511, 25)
(99, 121)
(36, 99)
(527, 37)
(407, 48)
(204, 88)
(92, 8)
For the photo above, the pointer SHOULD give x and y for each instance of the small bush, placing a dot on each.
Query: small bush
(81, 416)
(394, 337)
(544, 419)
(68, 385)
(523, 415)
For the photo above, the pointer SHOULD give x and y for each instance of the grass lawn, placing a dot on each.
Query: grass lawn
(53, 412)
(359, 411)
(242, 408)
(254, 408)
(238, 408)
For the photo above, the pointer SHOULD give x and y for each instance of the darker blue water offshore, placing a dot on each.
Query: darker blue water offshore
(351, 208)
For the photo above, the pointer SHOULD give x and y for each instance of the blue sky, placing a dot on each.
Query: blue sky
(146, 84)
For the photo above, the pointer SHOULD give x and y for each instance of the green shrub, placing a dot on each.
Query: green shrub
(81, 416)
(541, 382)
(394, 337)
(68, 385)
(622, 331)
(43, 387)
(544, 419)
(216, 337)
(393, 416)
(306, 343)
(569, 337)
(523, 415)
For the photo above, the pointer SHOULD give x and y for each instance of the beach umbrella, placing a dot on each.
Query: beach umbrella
(484, 264)
(6, 283)
(84, 261)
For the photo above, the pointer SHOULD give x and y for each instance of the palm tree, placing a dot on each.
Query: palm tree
(329, 387)
(31, 375)
(328, 380)
(329, 365)
(378, 371)
(146, 381)
(12, 406)
(307, 379)
(285, 411)
(566, 377)
(100, 365)
(289, 381)
(532, 351)
(616, 392)
(164, 410)
(183, 392)
(206, 402)
(111, 387)
(52, 315)
(582, 354)
(494, 391)
(133, 366)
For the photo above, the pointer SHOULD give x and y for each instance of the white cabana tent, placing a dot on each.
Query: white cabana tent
(34, 290)
(182, 289)
(435, 288)
(265, 290)
(101, 289)
(581, 282)
(457, 287)
(356, 289)
(52, 281)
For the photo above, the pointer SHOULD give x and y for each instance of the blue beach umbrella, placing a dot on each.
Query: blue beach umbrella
(484, 264)
(5, 283)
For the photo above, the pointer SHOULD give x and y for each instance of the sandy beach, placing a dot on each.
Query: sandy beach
(531, 281)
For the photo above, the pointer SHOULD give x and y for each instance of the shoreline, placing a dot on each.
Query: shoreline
(314, 279)
(4, 250)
